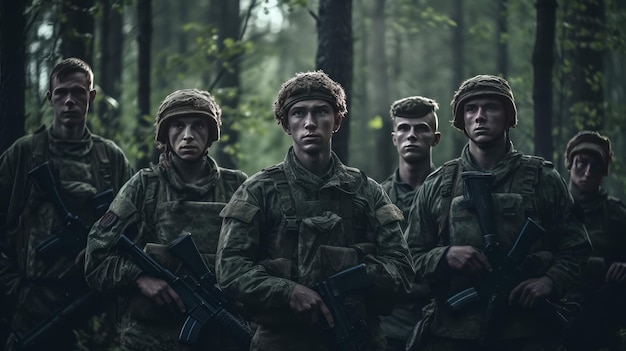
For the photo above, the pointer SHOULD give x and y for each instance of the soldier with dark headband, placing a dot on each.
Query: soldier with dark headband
(40, 282)
(294, 225)
(455, 253)
(602, 287)
(185, 192)
(415, 133)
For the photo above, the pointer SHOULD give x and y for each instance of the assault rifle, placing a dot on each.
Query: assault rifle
(35, 338)
(72, 236)
(204, 302)
(349, 334)
(506, 274)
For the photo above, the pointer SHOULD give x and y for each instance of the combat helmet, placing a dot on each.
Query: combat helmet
(589, 141)
(186, 102)
(483, 85)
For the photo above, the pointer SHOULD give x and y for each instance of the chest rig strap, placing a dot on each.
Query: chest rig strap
(287, 204)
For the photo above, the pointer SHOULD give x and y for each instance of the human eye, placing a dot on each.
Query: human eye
(470, 108)
(402, 127)
(296, 112)
(321, 111)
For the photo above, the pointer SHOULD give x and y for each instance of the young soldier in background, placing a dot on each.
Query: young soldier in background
(448, 244)
(85, 165)
(415, 132)
(601, 289)
(294, 224)
(185, 192)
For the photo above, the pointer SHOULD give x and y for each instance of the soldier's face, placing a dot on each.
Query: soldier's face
(587, 171)
(189, 136)
(70, 99)
(485, 120)
(414, 137)
(311, 124)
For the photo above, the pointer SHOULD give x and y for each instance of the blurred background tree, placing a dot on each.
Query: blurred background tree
(571, 78)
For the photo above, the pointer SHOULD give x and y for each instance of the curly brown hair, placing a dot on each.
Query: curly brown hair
(308, 86)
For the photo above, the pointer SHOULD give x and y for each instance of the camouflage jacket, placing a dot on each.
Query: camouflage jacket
(521, 190)
(400, 193)
(605, 219)
(158, 205)
(342, 218)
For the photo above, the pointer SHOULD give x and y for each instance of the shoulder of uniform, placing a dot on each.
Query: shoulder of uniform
(233, 175)
(616, 201)
(538, 160)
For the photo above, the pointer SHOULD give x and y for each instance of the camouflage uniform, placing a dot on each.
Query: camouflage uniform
(398, 325)
(286, 225)
(85, 167)
(155, 207)
(524, 186)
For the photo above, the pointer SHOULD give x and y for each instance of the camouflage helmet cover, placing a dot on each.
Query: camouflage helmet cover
(483, 85)
(187, 102)
(303, 86)
(589, 141)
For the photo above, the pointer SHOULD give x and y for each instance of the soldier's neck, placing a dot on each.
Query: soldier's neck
(316, 163)
(63, 131)
(414, 173)
(190, 171)
(487, 156)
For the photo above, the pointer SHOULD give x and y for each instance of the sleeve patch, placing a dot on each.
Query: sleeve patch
(108, 219)
(388, 214)
(240, 210)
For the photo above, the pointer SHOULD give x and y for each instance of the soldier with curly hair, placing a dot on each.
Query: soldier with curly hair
(448, 244)
(294, 224)
(184, 192)
(415, 133)
(602, 286)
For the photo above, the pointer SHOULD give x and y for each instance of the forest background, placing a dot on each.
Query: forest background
(565, 61)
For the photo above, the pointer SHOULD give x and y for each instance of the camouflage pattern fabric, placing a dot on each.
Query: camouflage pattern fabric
(566, 243)
(162, 206)
(259, 261)
(40, 285)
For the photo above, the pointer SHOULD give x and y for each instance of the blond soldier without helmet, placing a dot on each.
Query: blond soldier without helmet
(447, 244)
(294, 224)
(85, 165)
(415, 133)
(183, 193)
(601, 289)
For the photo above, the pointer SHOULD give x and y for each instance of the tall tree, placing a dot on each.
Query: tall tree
(77, 29)
(589, 38)
(12, 71)
(501, 41)
(228, 30)
(380, 94)
(458, 59)
(543, 62)
(335, 57)
(144, 120)
(110, 75)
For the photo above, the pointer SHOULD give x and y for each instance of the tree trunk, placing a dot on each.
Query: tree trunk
(77, 30)
(144, 120)
(335, 57)
(380, 93)
(228, 27)
(543, 62)
(110, 75)
(12, 71)
(587, 102)
(458, 60)
(502, 29)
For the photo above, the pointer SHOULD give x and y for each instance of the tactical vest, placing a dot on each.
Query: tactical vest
(526, 178)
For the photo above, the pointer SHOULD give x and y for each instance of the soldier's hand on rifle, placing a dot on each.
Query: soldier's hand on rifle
(159, 291)
(80, 258)
(616, 272)
(307, 305)
(467, 259)
(531, 291)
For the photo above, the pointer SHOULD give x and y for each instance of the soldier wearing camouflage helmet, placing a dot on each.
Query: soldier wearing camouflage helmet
(185, 192)
(447, 243)
(602, 286)
(294, 224)
(38, 284)
(415, 133)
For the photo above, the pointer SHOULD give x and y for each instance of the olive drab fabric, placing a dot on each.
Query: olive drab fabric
(85, 167)
(524, 186)
(286, 225)
(161, 206)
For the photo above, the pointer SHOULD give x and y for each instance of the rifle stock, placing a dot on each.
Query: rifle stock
(349, 334)
(201, 304)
